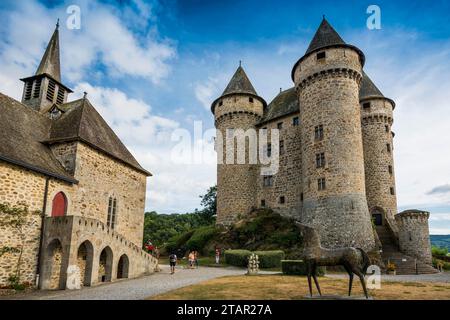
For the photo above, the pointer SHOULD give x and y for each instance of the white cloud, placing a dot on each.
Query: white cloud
(206, 92)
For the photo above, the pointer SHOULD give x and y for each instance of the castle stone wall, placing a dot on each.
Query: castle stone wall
(413, 234)
(287, 181)
(330, 97)
(18, 185)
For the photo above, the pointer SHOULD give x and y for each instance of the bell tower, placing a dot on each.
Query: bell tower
(44, 89)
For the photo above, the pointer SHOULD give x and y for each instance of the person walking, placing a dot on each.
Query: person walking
(191, 259)
(196, 259)
(217, 255)
(173, 262)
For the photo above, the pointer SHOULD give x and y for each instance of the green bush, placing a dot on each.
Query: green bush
(177, 244)
(298, 268)
(270, 259)
(238, 258)
(200, 238)
(437, 251)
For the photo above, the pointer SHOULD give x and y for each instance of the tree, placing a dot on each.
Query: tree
(209, 204)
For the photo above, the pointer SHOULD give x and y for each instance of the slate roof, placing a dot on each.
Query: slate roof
(83, 122)
(370, 90)
(325, 36)
(25, 135)
(285, 103)
(239, 84)
(21, 130)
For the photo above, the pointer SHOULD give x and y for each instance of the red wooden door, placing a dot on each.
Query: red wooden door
(59, 205)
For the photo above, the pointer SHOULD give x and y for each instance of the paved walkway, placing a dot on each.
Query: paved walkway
(136, 289)
(443, 277)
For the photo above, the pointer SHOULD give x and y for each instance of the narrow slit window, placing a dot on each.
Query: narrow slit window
(321, 184)
(295, 121)
(318, 132)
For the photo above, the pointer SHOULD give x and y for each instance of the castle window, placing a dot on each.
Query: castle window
(60, 96)
(250, 100)
(37, 88)
(390, 169)
(280, 125)
(51, 90)
(366, 105)
(263, 203)
(269, 150)
(281, 147)
(392, 191)
(282, 200)
(220, 103)
(268, 181)
(388, 147)
(318, 132)
(321, 55)
(28, 90)
(112, 213)
(301, 197)
(386, 128)
(295, 121)
(320, 160)
(321, 184)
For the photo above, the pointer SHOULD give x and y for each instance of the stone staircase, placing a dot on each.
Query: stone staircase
(405, 264)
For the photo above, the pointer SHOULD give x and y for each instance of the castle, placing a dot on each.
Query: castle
(335, 150)
(84, 191)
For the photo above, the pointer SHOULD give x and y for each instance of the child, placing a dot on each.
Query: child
(173, 262)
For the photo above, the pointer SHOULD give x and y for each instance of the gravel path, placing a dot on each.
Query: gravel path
(443, 277)
(137, 289)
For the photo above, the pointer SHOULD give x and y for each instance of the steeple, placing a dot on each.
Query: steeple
(325, 36)
(50, 62)
(239, 83)
(44, 90)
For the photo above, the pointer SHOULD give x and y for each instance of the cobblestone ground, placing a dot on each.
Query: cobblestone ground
(136, 289)
(443, 277)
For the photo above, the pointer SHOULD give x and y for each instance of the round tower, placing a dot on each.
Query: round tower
(237, 110)
(328, 79)
(376, 121)
(414, 235)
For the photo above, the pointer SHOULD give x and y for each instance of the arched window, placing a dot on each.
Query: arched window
(59, 205)
(112, 212)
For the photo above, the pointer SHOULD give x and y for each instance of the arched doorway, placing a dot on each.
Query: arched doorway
(59, 205)
(53, 266)
(85, 259)
(377, 216)
(105, 265)
(123, 267)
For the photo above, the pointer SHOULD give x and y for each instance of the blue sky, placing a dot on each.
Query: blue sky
(151, 67)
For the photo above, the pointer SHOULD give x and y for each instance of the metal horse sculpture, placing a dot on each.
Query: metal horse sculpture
(354, 260)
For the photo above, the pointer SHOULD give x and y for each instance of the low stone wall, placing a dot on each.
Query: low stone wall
(91, 246)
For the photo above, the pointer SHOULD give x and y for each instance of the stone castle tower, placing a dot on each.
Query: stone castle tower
(238, 108)
(336, 170)
(328, 79)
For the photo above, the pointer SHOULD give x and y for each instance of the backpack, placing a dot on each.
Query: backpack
(173, 258)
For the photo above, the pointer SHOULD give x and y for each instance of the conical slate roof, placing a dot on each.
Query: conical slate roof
(50, 63)
(325, 36)
(368, 88)
(239, 83)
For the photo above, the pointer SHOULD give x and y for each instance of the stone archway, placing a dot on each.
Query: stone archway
(105, 265)
(52, 268)
(85, 260)
(378, 216)
(123, 267)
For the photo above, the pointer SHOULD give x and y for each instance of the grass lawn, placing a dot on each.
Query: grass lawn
(282, 287)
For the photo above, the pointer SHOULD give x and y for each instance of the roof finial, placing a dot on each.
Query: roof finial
(240, 63)
(57, 24)
(281, 89)
(84, 95)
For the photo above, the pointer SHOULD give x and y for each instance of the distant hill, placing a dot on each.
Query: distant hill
(440, 241)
